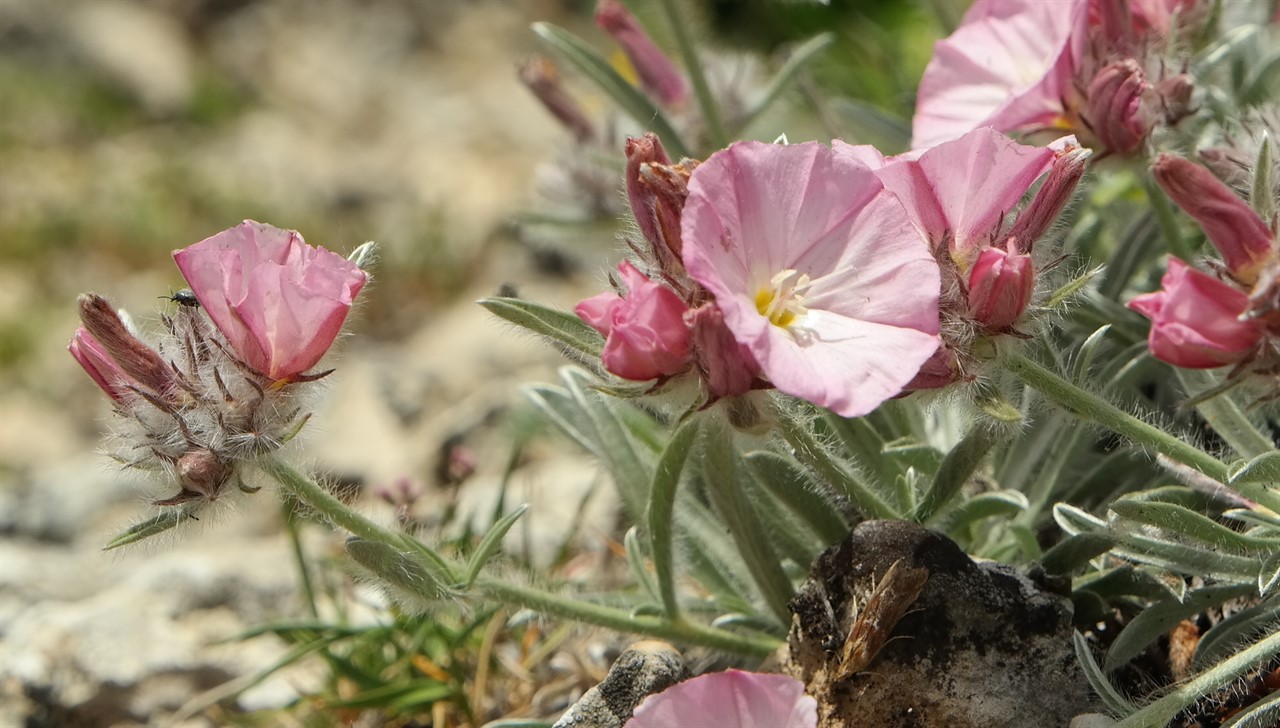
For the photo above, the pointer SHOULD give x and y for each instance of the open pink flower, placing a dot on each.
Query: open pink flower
(646, 335)
(816, 269)
(1195, 320)
(1008, 66)
(729, 699)
(279, 302)
(958, 193)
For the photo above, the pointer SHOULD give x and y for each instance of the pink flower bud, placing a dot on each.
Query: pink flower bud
(279, 302)
(658, 75)
(1068, 168)
(726, 365)
(132, 362)
(540, 76)
(1239, 234)
(98, 364)
(1195, 320)
(645, 333)
(1000, 286)
(657, 191)
(1118, 109)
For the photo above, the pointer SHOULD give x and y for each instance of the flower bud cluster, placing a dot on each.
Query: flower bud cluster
(226, 384)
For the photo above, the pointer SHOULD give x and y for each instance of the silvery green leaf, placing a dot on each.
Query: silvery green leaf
(1073, 520)
(488, 545)
(559, 326)
(1264, 469)
(1008, 503)
(155, 525)
(786, 480)
(408, 576)
(1262, 194)
(1102, 687)
(636, 562)
(1269, 574)
(1226, 636)
(1161, 617)
(661, 511)
(782, 80)
(1185, 523)
(1075, 551)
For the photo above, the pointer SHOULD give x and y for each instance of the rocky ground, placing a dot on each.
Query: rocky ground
(130, 127)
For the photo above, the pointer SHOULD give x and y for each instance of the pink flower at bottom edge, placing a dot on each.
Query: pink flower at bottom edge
(646, 336)
(279, 302)
(1195, 320)
(729, 699)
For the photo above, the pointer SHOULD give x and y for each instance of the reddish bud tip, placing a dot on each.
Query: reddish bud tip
(658, 75)
(134, 360)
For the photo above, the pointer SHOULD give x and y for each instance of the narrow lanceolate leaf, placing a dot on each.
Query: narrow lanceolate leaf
(1102, 687)
(1159, 618)
(661, 512)
(636, 562)
(1262, 195)
(1240, 628)
(560, 326)
(399, 569)
(785, 479)
(488, 545)
(1188, 524)
(1263, 469)
(150, 527)
(1009, 503)
(1269, 574)
(1073, 520)
(723, 471)
(800, 58)
(1073, 552)
(1068, 291)
(956, 469)
(631, 99)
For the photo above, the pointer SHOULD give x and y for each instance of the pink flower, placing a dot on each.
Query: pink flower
(1244, 239)
(658, 75)
(1195, 320)
(729, 699)
(1009, 65)
(645, 333)
(1000, 286)
(279, 302)
(98, 364)
(958, 192)
(114, 358)
(816, 269)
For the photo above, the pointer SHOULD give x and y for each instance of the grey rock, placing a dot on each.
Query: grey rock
(645, 668)
(980, 646)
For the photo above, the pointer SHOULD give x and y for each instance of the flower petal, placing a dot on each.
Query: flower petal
(729, 699)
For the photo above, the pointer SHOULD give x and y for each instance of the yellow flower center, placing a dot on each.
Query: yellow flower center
(782, 301)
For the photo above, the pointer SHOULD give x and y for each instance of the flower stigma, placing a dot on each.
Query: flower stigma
(782, 301)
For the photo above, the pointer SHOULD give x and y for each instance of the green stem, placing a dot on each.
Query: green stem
(1091, 408)
(324, 503)
(304, 574)
(621, 620)
(706, 102)
(1163, 710)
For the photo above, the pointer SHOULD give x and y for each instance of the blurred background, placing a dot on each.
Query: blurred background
(129, 128)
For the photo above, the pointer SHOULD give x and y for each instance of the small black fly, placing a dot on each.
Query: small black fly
(184, 297)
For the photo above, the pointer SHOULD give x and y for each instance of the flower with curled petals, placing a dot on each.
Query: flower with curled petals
(645, 333)
(816, 269)
(729, 699)
(1197, 321)
(279, 302)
